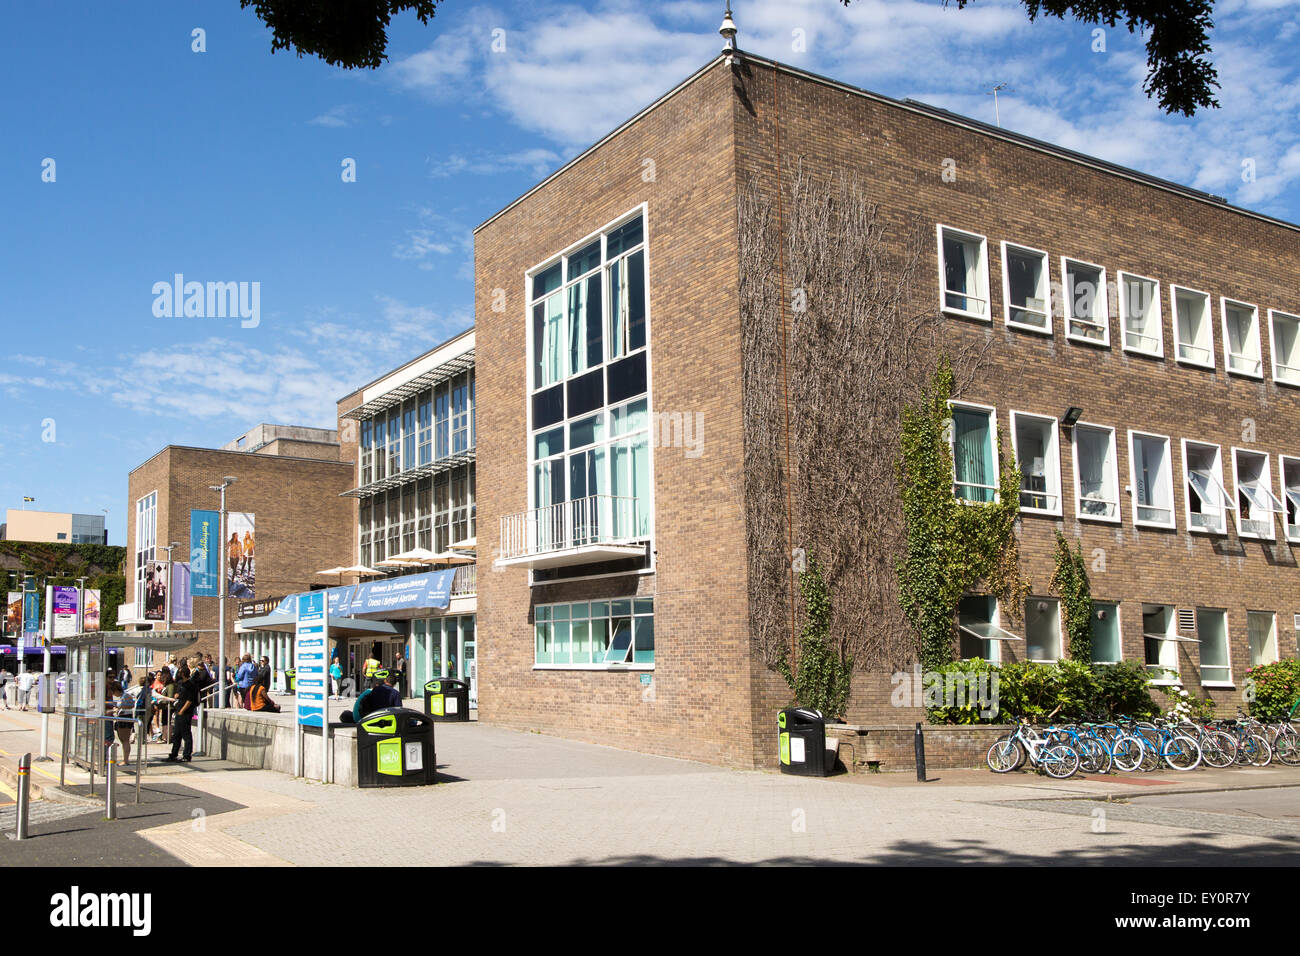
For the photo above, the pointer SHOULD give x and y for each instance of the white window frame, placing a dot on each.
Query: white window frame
(1282, 462)
(1229, 503)
(1067, 304)
(983, 272)
(1224, 303)
(996, 621)
(992, 413)
(1271, 645)
(1171, 632)
(1027, 251)
(1123, 313)
(1114, 464)
(1227, 648)
(1266, 484)
(1060, 630)
(1273, 316)
(1119, 629)
(1133, 483)
(1053, 472)
(1209, 326)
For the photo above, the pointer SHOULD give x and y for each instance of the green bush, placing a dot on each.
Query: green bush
(1273, 689)
(1064, 692)
(824, 674)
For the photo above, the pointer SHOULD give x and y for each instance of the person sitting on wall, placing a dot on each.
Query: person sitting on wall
(258, 699)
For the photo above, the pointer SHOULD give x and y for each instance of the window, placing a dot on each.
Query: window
(1256, 503)
(1241, 349)
(1025, 289)
(1289, 471)
(408, 435)
(978, 634)
(146, 540)
(1039, 462)
(1096, 474)
(61, 535)
(1087, 313)
(974, 458)
(426, 427)
(394, 442)
(964, 273)
(1193, 328)
(595, 634)
(1212, 631)
(1261, 626)
(1139, 309)
(381, 444)
(1159, 641)
(1106, 646)
(1152, 477)
(461, 388)
(1042, 629)
(590, 439)
(1208, 502)
(1284, 343)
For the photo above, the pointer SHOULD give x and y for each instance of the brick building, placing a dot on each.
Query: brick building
(663, 323)
(301, 524)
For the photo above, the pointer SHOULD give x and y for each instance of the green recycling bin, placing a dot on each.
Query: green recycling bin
(801, 739)
(291, 679)
(395, 749)
(447, 699)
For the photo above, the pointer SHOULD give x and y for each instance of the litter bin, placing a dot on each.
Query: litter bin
(291, 679)
(801, 734)
(447, 699)
(395, 749)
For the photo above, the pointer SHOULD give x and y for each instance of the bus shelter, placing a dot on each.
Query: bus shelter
(86, 691)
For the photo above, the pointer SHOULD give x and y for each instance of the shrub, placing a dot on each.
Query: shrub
(822, 678)
(1064, 692)
(1273, 689)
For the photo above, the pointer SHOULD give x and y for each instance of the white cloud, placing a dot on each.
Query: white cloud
(537, 161)
(335, 118)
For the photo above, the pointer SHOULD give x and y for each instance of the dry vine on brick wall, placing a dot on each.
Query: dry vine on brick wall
(862, 339)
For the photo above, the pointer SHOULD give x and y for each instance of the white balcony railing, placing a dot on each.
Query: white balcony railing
(582, 523)
(465, 583)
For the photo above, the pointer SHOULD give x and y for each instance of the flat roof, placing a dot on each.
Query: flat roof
(423, 355)
(246, 456)
(933, 112)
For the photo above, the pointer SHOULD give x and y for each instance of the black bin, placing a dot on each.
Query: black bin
(801, 735)
(447, 699)
(395, 749)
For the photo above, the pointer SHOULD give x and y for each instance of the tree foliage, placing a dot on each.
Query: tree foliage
(348, 33)
(1070, 581)
(1179, 74)
(952, 545)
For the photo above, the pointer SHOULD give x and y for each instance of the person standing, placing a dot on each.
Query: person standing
(336, 675)
(234, 552)
(187, 699)
(399, 668)
(248, 552)
(372, 665)
(244, 678)
(24, 688)
(263, 678)
(5, 680)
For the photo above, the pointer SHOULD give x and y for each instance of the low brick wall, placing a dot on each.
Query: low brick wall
(886, 747)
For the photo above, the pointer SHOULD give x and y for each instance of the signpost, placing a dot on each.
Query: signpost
(311, 659)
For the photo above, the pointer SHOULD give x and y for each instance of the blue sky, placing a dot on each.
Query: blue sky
(225, 166)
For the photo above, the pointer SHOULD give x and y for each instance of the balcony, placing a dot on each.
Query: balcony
(582, 531)
(465, 583)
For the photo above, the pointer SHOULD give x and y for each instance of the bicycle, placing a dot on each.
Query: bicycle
(1054, 758)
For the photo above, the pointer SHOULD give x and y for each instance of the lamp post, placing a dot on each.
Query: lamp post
(226, 482)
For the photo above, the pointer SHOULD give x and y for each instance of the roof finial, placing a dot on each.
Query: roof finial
(728, 31)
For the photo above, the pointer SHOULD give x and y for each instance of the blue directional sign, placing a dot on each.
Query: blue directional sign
(311, 637)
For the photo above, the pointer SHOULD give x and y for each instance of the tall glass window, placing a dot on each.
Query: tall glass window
(1212, 632)
(408, 435)
(426, 427)
(973, 456)
(1106, 647)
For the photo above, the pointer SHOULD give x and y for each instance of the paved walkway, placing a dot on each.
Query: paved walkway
(517, 798)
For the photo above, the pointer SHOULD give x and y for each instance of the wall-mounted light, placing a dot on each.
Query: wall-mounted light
(1072, 415)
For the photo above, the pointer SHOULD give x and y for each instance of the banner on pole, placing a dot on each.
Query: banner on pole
(205, 554)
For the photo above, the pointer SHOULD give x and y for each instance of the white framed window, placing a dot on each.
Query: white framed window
(1087, 312)
(1284, 345)
(1096, 473)
(1193, 327)
(1207, 500)
(595, 635)
(1026, 288)
(974, 452)
(1106, 645)
(1241, 348)
(1160, 644)
(1212, 632)
(979, 634)
(1042, 629)
(1288, 468)
(963, 273)
(1151, 475)
(146, 541)
(1039, 459)
(1139, 310)
(1256, 503)
(1261, 628)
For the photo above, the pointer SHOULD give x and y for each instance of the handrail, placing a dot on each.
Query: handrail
(141, 742)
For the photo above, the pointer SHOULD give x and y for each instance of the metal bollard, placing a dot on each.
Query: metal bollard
(110, 785)
(920, 754)
(24, 795)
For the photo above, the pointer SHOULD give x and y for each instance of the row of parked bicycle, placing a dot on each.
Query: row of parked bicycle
(1129, 745)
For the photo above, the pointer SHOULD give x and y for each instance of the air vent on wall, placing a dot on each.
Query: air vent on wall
(1186, 619)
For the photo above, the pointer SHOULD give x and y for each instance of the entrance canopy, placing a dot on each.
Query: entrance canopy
(153, 640)
(339, 625)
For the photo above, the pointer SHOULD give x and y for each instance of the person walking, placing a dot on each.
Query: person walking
(187, 699)
(372, 665)
(24, 688)
(336, 675)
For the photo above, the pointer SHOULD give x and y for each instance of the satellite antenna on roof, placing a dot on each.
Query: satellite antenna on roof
(994, 93)
(728, 31)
